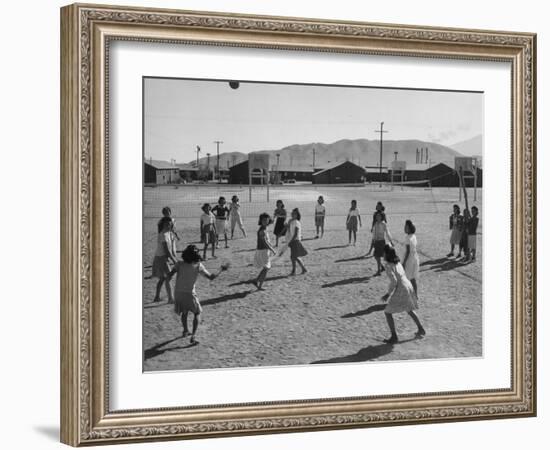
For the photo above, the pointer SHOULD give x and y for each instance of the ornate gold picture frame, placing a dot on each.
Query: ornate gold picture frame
(86, 34)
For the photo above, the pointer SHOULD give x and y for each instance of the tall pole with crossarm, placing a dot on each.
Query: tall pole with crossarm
(381, 131)
(218, 160)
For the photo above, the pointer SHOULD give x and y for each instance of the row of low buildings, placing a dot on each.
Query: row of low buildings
(346, 172)
(164, 172)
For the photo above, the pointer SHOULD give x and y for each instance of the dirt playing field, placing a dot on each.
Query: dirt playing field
(333, 314)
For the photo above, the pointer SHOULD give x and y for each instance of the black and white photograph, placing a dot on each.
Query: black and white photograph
(294, 224)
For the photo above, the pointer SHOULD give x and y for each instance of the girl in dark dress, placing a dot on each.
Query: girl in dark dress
(280, 218)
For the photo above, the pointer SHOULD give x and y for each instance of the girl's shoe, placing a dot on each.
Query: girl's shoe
(420, 333)
(450, 255)
(193, 340)
(185, 333)
(392, 340)
(292, 274)
(304, 271)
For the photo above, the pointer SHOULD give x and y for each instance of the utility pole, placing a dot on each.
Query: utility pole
(381, 131)
(313, 157)
(218, 160)
(395, 153)
(198, 151)
(208, 166)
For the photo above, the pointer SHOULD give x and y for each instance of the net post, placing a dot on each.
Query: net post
(267, 184)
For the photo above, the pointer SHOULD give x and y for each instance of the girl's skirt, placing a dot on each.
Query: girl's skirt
(221, 226)
(352, 223)
(455, 236)
(403, 298)
(412, 268)
(187, 302)
(379, 245)
(262, 259)
(161, 268)
(464, 240)
(319, 221)
(472, 241)
(297, 250)
(279, 229)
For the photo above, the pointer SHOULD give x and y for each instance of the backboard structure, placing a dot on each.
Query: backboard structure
(466, 167)
(397, 169)
(258, 168)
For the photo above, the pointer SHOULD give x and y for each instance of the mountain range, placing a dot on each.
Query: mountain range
(470, 147)
(364, 152)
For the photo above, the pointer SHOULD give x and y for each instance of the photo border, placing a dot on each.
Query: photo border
(86, 33)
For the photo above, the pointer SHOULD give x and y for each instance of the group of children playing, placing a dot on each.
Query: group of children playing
(215, 223)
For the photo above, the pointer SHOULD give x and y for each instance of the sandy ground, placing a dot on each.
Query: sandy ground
(333, 314)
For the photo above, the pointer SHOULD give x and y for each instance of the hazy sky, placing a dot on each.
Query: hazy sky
(180, 114)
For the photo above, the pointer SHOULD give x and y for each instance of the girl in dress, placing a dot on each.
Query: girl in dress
(320, 217)
(455, 225)
(297, 250)
(208, 230)
(188, 271)
(262, 258)
(163, 254)
(380, 232)
(400, 295)
(353, 219)
(472, 233)
(280, 219)
(411, 262)
(235, 216)
(463, 247)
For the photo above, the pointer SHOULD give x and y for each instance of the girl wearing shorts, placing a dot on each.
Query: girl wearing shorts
(320, 213)
(235, 216)
(208, 230)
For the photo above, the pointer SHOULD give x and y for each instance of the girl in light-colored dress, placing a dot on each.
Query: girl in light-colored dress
(455, 225)
(411, 262)
(262, 257)
(297, 250)
(353, 221)
(188, 270)
(400, 295)
(235, 216)
(163, 254)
